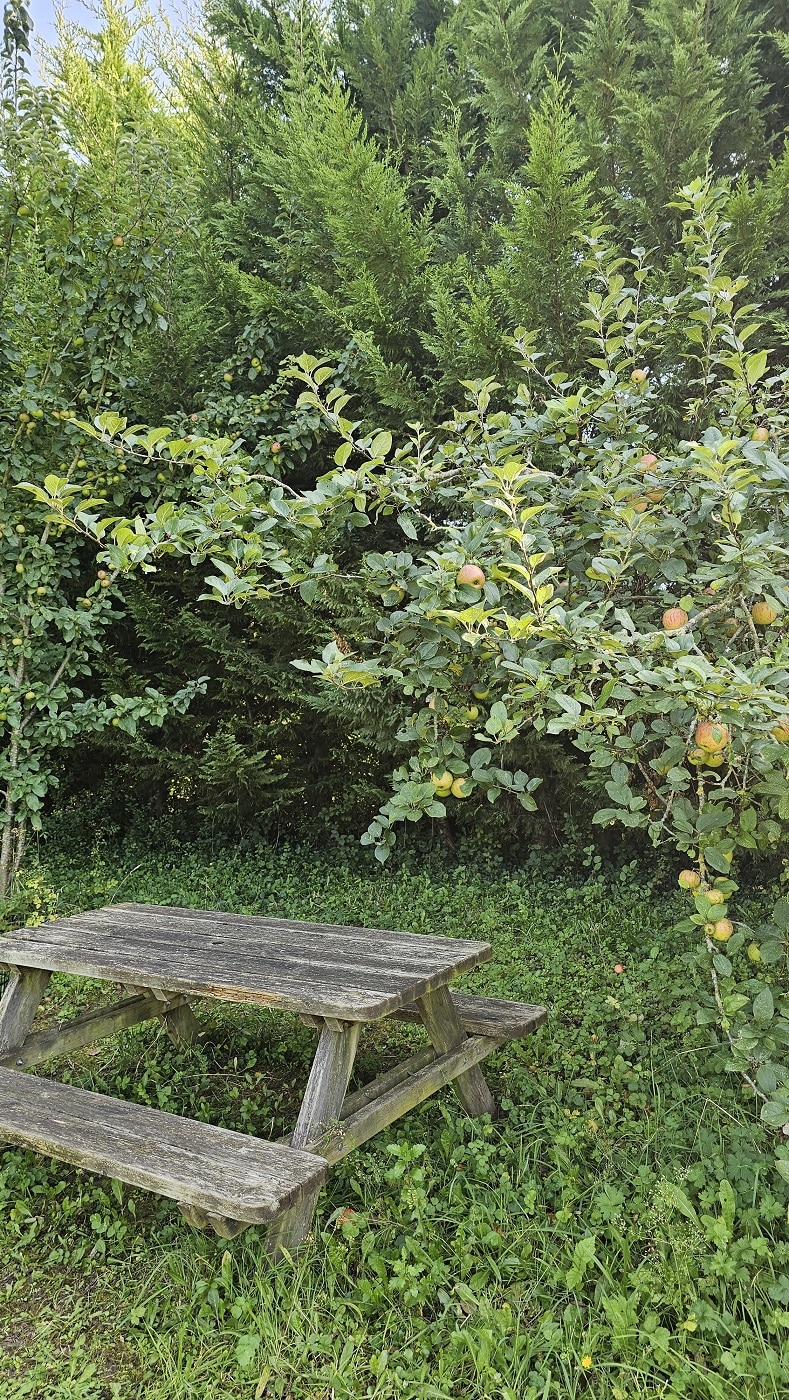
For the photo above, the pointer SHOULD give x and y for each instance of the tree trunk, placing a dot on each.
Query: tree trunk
(12, 843)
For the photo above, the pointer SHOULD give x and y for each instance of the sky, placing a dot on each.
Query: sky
(42, 13)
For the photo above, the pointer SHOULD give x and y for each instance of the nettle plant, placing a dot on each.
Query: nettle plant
(567, 566)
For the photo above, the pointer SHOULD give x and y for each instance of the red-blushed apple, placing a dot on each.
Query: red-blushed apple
(471, 575)
(712, 736)
(674, 618)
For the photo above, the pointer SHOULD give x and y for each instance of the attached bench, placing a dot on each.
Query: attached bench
(219, 1178)
(502, 1020)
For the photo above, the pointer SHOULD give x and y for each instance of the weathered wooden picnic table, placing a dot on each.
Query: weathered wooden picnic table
(336, 978)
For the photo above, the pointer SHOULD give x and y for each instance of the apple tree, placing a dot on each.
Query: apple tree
(601, 562)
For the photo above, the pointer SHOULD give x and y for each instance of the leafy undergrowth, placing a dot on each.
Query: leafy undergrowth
(619, 1232)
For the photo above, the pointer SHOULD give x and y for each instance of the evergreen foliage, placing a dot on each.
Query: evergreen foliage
(397, 184)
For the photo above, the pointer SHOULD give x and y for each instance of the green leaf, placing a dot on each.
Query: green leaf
(755, 365)
(763, 1005)
(407, 526)
(774, 1114)
(343, 453)
(381, 445)
(674, 1196)
(718, 858)
(583, 1256)
(781, 914)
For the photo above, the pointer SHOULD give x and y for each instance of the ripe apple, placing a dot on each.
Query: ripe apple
(619, 968)
(639, 375)
(715, 896)
(118, 241)
(674, 619)
(655, 496)
(276, 446)
(763, 613)
(648, 460)
(471, 575)
(689, 879)
(722, 929)
(712, 736)
(760, 435)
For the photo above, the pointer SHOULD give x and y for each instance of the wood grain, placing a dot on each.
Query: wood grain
(344, 973)
(319, 1113)
(511, 1020)
(223, 1173)
(84, 1030)
(328, 1081)
(19, 1004)
(442, 1024)
(387, 1107)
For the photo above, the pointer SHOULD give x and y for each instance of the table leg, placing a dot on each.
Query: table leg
(19, 1004)
(442, 1024)
(319, 1113)
(182, 1025)
(180, 1022)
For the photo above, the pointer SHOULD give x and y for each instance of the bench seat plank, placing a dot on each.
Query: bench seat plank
(504, 1020)
(218, 1171)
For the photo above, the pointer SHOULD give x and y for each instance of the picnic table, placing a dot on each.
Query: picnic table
(338, 979)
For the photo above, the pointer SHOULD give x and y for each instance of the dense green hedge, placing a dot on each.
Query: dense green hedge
(362, 181)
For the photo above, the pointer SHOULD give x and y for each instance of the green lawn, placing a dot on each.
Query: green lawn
(619, 1232)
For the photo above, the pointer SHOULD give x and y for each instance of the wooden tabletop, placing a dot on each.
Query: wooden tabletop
(353, 974)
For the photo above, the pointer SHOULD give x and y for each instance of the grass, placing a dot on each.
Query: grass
(620, 1232)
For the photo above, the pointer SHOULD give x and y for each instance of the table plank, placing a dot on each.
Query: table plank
(345, 972)
(300, 948)
(253, 931)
